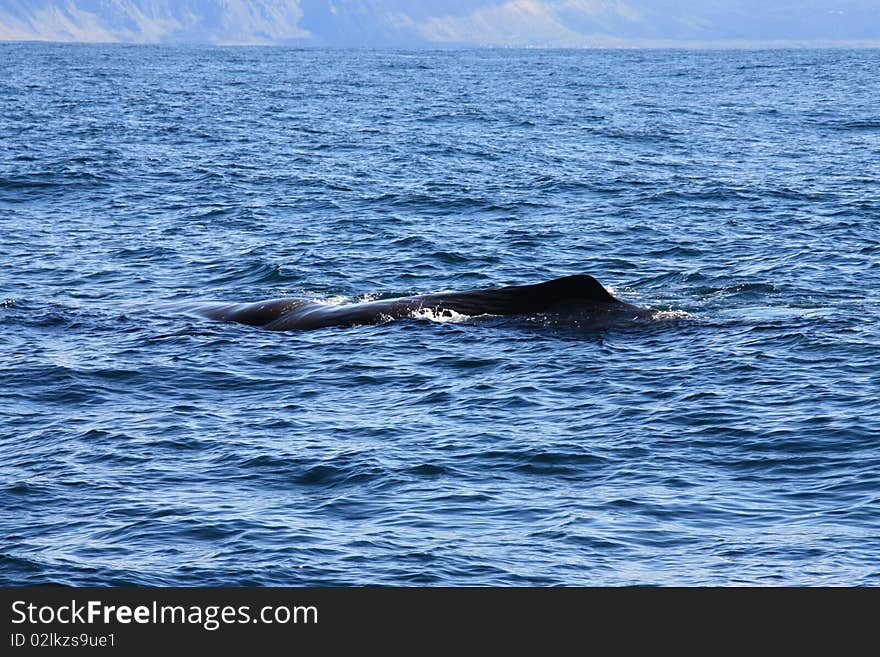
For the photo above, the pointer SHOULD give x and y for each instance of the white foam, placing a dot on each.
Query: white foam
(336, 301)
(672, 314)
(442, 316)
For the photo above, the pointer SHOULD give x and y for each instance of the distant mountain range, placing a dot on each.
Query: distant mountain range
(446, 23)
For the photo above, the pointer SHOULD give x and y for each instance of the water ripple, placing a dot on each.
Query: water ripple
(731, 441)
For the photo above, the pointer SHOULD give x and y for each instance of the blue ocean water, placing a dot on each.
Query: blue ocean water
(734, 442)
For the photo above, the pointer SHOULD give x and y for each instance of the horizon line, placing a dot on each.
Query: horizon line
(680, 44)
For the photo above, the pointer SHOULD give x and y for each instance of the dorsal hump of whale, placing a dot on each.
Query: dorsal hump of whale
(580, 289)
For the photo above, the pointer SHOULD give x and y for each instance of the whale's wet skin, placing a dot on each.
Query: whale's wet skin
(578, 299)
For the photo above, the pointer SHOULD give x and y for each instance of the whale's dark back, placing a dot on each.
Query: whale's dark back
(524, 299)
(579, 293)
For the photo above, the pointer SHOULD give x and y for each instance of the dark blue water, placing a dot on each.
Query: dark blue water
(734, 441)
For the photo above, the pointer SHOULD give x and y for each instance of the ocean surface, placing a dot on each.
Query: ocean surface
(733, 441)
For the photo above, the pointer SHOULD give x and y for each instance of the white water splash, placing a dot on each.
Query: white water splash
(672, 314)
(444, 315)
(336, 301)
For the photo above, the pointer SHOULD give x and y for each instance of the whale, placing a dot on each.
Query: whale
(579, 298)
